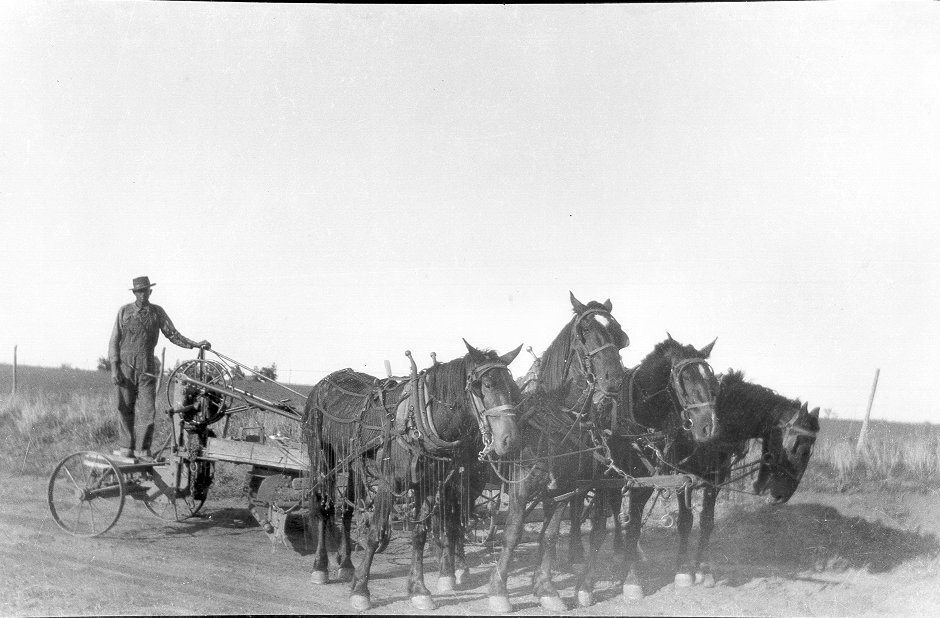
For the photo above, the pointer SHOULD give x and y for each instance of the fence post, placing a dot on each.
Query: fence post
(13, 393)
(861, 434)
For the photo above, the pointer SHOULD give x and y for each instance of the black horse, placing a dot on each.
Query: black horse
(666, 406)
(578, 376)
(406, 442)
(745, 411)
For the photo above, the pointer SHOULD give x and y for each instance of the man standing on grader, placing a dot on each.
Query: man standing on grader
(130, 352)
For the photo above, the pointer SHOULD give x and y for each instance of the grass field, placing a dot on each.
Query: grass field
(58, 411)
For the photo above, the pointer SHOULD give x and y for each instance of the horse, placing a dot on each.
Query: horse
(746, 411)
(666, 405)
(577, 378)
(407, 439)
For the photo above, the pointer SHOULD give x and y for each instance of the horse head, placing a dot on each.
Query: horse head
(677, 390)
(787, 448)
(494, 395)
(596, 339)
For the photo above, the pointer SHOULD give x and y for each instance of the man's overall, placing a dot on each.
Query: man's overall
(133, 341)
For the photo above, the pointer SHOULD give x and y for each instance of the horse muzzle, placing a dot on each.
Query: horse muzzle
(699, 421)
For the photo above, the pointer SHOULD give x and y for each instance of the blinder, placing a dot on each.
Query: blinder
(696, 369)
(483, 413)
(789, 432)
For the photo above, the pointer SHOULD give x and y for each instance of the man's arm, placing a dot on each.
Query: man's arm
(114, 351)
(170, 332)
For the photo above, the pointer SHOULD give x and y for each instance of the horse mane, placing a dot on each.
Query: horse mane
(664, 347)
(739, 398)
(554, 359)
(447, 382)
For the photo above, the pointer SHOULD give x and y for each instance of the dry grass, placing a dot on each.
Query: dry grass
(900, 454)
(37, 429)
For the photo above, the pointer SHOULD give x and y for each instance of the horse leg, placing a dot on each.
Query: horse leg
(512, 533)
(322, 508)
(320, 512)
(379, 529)
(450, 524)
(542, 586)
(575, 518)
(684, 570)
(703, 571)
(419, 593)
(461, 568)
(632, 589)
(598, 535)
(346, 569)
(616, 508)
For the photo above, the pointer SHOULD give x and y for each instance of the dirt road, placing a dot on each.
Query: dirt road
(819, 555)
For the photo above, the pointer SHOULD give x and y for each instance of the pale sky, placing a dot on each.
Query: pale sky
(326, 186)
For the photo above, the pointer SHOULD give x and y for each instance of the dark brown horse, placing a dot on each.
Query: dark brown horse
(578, 377)
(405, 442)
(666, 403)
(745, 411)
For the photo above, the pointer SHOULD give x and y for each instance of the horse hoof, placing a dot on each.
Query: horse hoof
(684, 580)
(446, 584)
(360, 602)
(585, 598)
(345, 574)
(423, 602)
(632, 592)
(553, 604)
(500, 605)
(706, 579)
(461, 575)
(319, 577)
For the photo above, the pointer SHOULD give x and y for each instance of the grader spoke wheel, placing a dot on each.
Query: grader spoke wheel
(172, 497)
(212, 405)
(86, 494)
(481, 527)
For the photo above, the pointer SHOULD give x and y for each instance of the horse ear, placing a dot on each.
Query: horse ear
(707, 349)
(508, 357)
(608, 305)
(804, 409)
(576, 304)
(475, 354)
(815, 412)
(669, 336)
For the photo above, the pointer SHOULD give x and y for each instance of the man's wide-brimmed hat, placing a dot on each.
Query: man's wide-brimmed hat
(142, 283)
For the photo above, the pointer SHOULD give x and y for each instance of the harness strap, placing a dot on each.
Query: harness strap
(504, 410)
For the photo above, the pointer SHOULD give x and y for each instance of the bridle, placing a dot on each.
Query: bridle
(483, 413)
(585, 357)
(680, 403)
(789, 432)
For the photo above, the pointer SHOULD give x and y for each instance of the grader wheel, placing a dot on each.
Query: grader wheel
(481, 527)
(86, 494)
(174, 497)
(212, 406)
